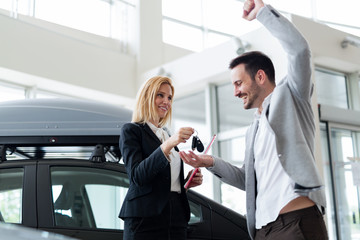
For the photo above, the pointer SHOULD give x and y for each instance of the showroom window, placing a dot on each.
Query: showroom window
(339, 16)
(231, 114)
(340, 152)
(108, 18)
(202, 20)
(232, 150)
(331, 88)
(212, 22)
(190, 111)
(233, 123)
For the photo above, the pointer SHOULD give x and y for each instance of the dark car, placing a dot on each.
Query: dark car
(60, 171)
(19, 232)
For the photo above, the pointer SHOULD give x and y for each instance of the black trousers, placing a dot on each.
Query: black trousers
(303, 224)
(170, 224)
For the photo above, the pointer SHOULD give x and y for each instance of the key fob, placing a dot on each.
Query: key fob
(199, 145)
(193, 143)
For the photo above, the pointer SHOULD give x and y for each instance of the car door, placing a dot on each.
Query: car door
(81, 199)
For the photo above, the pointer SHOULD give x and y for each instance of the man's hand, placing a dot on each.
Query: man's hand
(197, 161)
(251, 8)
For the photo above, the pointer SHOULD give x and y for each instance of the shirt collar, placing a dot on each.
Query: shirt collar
(159, 132)
(264, 105)
(152, 126)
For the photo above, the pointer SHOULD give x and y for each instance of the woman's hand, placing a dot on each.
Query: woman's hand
(196, 180)
(181, 136)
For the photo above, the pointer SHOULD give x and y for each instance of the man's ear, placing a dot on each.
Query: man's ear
(261, 76)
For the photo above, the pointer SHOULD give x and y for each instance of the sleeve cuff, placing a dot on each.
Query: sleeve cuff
(214, 162)
(167, 157)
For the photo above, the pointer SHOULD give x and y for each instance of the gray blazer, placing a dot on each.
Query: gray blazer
(291, 117)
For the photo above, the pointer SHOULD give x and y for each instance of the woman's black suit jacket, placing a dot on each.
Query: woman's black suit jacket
(149, 173)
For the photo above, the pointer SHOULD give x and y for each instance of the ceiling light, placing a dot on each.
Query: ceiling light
(240, 46)
(163, 72)
(350, 40)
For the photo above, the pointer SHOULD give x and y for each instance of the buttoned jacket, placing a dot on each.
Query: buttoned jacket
(149, 173)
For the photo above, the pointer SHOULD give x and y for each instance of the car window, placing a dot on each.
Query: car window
(88, 197)
(195, 212)
(11, 187)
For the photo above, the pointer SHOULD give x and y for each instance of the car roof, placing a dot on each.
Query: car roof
(61, 117)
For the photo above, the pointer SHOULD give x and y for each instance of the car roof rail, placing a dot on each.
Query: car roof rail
(2, 153)
(98, 154)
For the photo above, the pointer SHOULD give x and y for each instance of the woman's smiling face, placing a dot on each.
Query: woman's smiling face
(163, 101)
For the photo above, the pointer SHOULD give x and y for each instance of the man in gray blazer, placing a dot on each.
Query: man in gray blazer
(284, 194)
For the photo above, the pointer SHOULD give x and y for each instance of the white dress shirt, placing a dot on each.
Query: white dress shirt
(274, 187)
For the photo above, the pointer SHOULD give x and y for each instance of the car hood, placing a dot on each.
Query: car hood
(15, 232)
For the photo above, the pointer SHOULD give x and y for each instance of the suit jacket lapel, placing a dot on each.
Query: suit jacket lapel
(251, 178)
(148, 130)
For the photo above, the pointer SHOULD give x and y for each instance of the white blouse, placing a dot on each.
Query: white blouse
(174, 158)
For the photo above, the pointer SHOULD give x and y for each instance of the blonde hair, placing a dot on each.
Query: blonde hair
(145, 101)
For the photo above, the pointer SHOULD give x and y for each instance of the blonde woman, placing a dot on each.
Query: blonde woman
(156, 205)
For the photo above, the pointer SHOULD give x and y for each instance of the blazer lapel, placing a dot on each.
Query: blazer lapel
(148, 130)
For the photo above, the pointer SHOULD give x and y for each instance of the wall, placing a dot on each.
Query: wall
(326, 47)
(40, 51)
(47, 56)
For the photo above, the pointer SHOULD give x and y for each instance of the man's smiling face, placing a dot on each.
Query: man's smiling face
(245, 88)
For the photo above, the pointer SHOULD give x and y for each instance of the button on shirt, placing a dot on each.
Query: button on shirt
(274, 187)
(174, 158)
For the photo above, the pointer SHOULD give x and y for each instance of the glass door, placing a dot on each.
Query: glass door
(343, 213)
